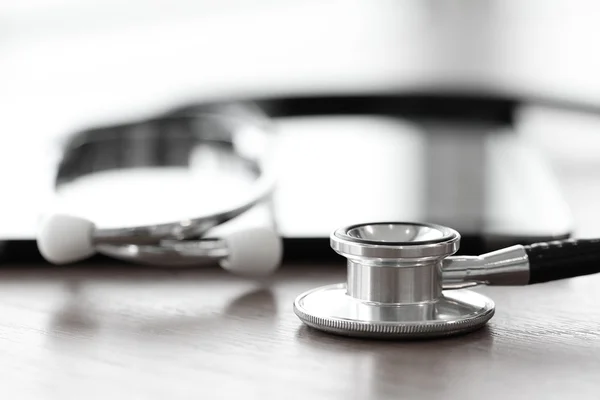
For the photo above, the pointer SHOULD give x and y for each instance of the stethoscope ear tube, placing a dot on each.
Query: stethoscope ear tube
(523, 265)
(550, 261)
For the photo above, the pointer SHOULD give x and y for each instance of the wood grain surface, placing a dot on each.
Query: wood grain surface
(97, 333)
(122, 332)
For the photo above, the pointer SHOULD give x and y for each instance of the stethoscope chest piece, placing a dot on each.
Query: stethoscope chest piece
(394, 286)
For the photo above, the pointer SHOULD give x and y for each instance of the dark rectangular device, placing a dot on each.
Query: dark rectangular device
(341, 160)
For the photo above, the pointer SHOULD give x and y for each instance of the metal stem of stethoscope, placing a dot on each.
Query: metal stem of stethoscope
(402, 280)
(409, 282)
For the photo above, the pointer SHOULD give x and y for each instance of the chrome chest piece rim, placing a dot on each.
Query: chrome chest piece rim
(394, 286)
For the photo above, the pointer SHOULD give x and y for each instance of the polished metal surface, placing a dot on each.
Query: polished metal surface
(403, 282)
(332, 310)
(509, 266)
(394, 284)
(395, 241)
(172, 253)
(398, 233)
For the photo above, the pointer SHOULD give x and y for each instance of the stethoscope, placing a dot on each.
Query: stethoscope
(253, 249)
(403, 282)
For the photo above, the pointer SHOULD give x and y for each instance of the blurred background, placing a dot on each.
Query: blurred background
(481, 115)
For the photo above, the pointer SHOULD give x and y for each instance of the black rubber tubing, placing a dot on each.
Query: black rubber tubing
(562, 259)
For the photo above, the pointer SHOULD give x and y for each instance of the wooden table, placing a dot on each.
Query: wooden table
(121, 332)
(162, 334)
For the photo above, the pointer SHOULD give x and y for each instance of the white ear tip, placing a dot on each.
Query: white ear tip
(64, 238)
(256, 251)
